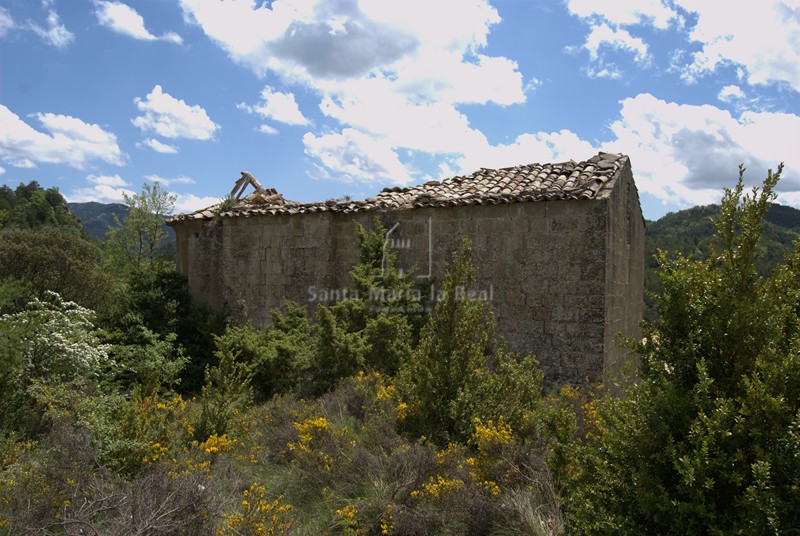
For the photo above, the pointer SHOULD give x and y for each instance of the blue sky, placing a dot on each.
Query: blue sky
(325, 98)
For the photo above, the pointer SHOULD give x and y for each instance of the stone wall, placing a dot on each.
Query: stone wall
(199, 257)
(563, 277)
(625, 281)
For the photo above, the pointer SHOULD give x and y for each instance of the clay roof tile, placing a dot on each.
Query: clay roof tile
(531, 182)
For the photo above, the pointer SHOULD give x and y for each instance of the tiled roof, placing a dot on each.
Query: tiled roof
(532, 182)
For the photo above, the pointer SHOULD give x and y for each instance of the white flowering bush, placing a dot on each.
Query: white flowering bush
(58, 339)
(52, 341)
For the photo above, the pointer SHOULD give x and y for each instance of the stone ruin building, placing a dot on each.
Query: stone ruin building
(558, 251)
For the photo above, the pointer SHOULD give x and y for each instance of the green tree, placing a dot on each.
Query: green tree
(136, 244)
(277, 357)
(707, 443)
(460, 371)
(146, 361)
(156, 306)
(30, 206)
(375, 329)
(225, 397)
(43, 247)
(14, 294)
(55, 259)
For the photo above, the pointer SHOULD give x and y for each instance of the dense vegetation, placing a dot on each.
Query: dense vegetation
(147, 414)
(690, 233)
(30, 207)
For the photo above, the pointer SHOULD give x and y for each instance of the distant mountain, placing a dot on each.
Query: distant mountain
(786, 217)
(97, 218)
(689, 232)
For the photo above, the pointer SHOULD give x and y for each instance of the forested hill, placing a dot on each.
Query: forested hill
(98, 218)
(689, 232)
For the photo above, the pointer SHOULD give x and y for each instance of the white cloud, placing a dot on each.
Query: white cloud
(189, 202)
(168, 182)
(2, 170)
(355, 157)
(763, 37)
(772, 137)
(532, 85)
(172, 37)
(123, 19)
(55, 33)
(604, 36)
(160, 147)
(266, 129)
(173, 118)
(527, 149)
(611, 72)
(244, 30)
(6, 21)
(390, 78)
(112, 188)
(686, 154)
(625, 12)
(17, 162)
(455, 25)
(277, 106)
(789, 198)
(107, 180)
(375, 108)
(730, 93)
(457, 78)
(66, 140)
(303, 39)
(100, 193)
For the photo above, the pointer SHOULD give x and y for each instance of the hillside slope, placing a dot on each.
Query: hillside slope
(689, 232)
(97, 218)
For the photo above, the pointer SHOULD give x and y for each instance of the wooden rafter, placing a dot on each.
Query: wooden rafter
(241, 184)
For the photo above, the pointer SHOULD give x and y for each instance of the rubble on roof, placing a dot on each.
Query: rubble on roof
(532, 182)
(261, 195)
(241, 184)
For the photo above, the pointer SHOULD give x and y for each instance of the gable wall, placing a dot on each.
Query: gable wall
(625, 267)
